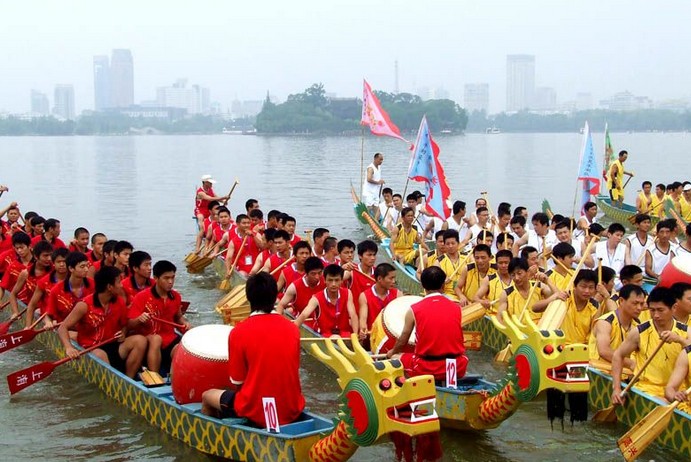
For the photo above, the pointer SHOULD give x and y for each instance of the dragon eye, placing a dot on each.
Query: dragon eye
(548, 349)
(400, 380)
(560, 348)
(385, 384)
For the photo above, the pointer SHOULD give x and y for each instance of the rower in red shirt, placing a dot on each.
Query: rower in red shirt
(367, 252)
(101, 316)
(243, 241)
(269, 249)
(295, 270)
(122, 251)
(63, 296)
(51, 234)
(373, 300)
(439, 334)
(107, 257)
(203, 235)
(39, 300)
(288, 224)
(162, 302)
(283, 252)
(216, 236)
(265, 369)
(140, 275)
(15, 261)
(98, 240)
(330, 254)
(80, 242)
(333, 307)
(34, 225)
(27, 279)
(10, 226)
(203, 197)
(319, 235)
(300, 292)
(257, 223)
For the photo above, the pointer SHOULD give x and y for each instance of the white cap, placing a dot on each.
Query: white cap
(687, 187)
(208, 179)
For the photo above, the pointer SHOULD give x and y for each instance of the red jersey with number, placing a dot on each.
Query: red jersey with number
(167, 308)
(11, 274)
(131, 288)
(248, 252)
(100, 322)
(201, 206)
(376, 304)
(56, 242)
(62, 299)
(439, 336)
(291, 273)
(333, 318)
(266, 369)
(359, 282)
(45, 284)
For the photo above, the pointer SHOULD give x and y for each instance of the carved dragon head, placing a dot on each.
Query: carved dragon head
(376, 398)
(542, 360)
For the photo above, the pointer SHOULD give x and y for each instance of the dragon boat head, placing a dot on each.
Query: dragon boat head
(542, 360)
(376, 398)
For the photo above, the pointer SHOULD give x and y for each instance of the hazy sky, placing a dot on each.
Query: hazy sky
(243, 49)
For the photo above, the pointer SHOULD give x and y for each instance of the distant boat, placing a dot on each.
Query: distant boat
(492, 130)
(232, 131)
(446, 131)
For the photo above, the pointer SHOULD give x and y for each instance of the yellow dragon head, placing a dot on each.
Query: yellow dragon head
(376, 398)
(542, 360)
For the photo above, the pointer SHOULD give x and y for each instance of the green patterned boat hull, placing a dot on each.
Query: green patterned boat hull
(677, 435)
(619, 214)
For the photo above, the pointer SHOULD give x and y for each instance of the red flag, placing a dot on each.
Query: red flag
(375, 116)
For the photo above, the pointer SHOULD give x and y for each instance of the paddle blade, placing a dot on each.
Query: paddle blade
(554, 315)
(184, 305)
(17, 381)
(503, 356)
(471, 313)
(224, 285)
(13, 340)
(639, 437)
(191, 257)
(606, 415)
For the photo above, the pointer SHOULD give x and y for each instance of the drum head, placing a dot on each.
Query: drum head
(393, 316)
(208, 342)
(683, 264)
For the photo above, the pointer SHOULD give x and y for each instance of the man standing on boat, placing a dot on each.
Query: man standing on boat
(203, 196)
(615, 179)
(373, 184)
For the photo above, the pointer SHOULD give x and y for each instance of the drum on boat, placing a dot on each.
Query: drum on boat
(387, 327)
(200, 363)
(677, 270)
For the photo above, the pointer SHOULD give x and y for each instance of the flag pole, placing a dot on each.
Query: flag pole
(580, 159)
(362, 160)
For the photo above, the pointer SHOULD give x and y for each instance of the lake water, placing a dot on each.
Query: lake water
(141, 189)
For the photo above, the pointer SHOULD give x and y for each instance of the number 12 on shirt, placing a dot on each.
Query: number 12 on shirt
(451, 373)
(271, 415)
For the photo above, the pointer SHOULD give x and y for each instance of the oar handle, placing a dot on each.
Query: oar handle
(379, 356)
(232, 188)
(580, 264)
(237, 255)
(86, 350)
(640, 371)
(4, 304)
(170, 323)
(527, 302)
(458, 268)
(280, 267)
(365, 274)
(40, 318)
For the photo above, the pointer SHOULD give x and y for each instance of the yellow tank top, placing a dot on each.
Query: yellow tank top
(686, 407)
(645, 208)
(577, 324)
(685, 208)
(560, 281)
(516, 301)
(616, 335)
(620, 173)
(473, 278)
(450, 268)
(405, 240)
(432, 257)
(496, 287)
(655, 376)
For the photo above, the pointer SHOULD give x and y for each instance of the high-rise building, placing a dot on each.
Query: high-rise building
(64, 101)
(39, 103)
(194, 99)
(476, 97)
(121, 78)
(520, 82)
(101, 82)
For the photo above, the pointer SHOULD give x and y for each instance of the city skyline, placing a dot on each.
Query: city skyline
(243, 51)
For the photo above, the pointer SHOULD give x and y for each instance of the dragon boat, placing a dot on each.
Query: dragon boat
(622, 214)
(638, 405)
(372, 226)
(365, 412)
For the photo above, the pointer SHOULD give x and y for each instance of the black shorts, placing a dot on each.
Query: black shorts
(166, 358)
(112, 350)
(228, 404)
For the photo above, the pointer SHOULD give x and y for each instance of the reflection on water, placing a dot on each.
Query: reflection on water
(141, 189)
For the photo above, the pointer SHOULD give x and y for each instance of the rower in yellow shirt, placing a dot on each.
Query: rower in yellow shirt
(472, 273)
(564, 254)
(451, 262)
(493, 285)
(643, 340)
(646, 200)
(404, 236)
(581, 308)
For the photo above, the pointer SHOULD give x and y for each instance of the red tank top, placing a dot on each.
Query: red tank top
(46, 284)
(100, 323)
(61, 299)
(248, 252)
(439, 334)
(274, 262)
(291, 273)
(202, 205)
(376, 304)
(359, 282)
(333, 318)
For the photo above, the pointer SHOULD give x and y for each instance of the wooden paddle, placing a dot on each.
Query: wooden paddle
(151, 378)
(17, 381)
(180, 327)
(5, 326)
(504, 355)
(238, 294)
(632, 218)
(15, 339)
(225, 284)
(458, 268)
(184, 305)
(642, 255)
(639, 437)
(627, 181)
(473, 312)
(609, 414)
(198, 265)
(230, 194)
(555, 312)
(2, 307)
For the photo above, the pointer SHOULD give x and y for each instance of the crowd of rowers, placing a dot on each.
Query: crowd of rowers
(91, 294)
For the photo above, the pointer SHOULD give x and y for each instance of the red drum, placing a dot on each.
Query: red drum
(200, 363)
(388, 325)
(677, 270)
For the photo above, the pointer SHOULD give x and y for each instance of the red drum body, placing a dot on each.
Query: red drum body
(677, 270)
(200, 363)
(387, 327)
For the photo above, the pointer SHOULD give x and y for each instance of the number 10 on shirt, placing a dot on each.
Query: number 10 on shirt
(451, 373)
(271, 415)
